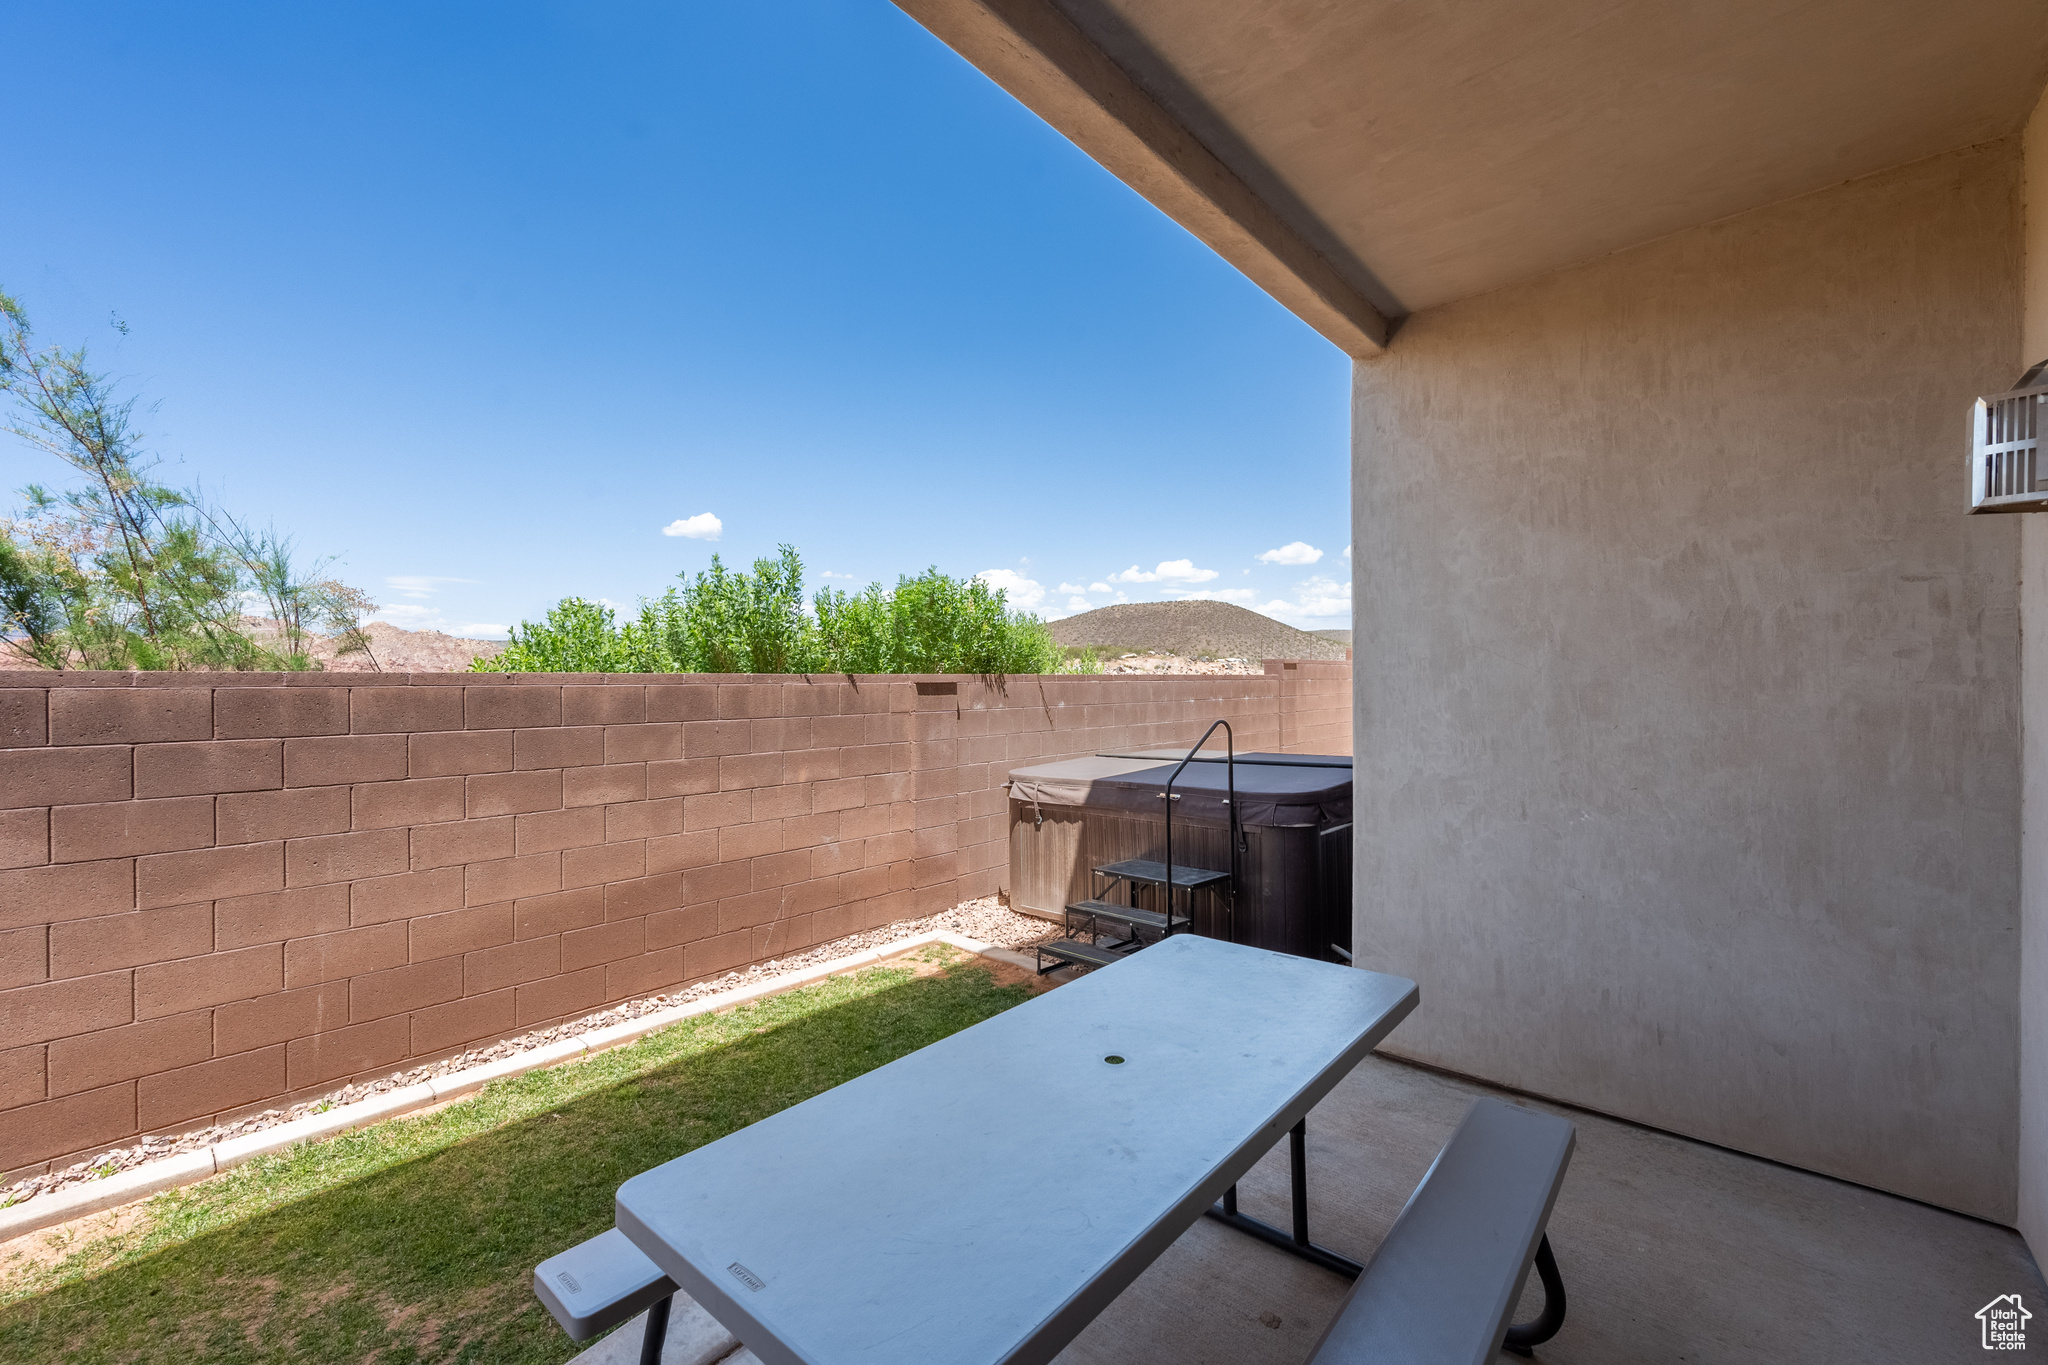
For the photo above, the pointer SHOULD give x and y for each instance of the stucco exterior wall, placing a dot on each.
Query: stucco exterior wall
(1691, 694)
(2033, 1000)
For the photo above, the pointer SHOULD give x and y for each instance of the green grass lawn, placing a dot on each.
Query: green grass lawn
(416, 1240)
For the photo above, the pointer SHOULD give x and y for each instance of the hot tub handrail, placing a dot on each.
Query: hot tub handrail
(1230, 828)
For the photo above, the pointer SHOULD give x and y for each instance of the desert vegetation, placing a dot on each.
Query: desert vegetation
(122, 571)
(731, 621)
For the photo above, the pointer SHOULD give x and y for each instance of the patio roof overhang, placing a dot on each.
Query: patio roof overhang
(1365, 159)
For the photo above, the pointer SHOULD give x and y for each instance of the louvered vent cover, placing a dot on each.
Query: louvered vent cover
(2007, 473)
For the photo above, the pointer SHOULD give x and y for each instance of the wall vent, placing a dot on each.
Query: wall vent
(2007, 473)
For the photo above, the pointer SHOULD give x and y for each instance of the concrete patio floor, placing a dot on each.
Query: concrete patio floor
(1671, 1250)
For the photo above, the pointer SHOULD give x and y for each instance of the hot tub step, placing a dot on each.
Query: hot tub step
(1147, 872)
(1065, 952)
(1128, 915)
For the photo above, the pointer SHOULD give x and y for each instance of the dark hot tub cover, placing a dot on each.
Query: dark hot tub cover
(1267, 796)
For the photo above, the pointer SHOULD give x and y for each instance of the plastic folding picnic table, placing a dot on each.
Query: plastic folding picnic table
(983, 1198)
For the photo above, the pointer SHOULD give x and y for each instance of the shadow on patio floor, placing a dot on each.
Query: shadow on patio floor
(1671, 1251)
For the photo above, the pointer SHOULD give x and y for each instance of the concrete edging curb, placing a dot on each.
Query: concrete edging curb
(48, 1210)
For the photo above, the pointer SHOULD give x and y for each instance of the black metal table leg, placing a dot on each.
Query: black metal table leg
(1297, 1161)
(1297, 1242)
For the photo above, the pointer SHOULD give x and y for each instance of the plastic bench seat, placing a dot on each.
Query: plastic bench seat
(596, 1285)
(1441, 1286)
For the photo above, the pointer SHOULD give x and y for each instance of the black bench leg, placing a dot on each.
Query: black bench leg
(657, 1332)
(1524, 1337)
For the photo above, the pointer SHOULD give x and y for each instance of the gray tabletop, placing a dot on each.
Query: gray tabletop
(982, 1199)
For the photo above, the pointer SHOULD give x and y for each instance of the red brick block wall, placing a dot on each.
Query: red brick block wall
(222, 892)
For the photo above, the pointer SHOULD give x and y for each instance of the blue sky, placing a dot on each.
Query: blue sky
(481, 298)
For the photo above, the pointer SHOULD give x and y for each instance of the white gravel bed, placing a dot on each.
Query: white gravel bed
(986, 919)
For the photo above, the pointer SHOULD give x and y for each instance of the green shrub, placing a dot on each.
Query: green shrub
(930, 624)
(576, 637)
(727, 621)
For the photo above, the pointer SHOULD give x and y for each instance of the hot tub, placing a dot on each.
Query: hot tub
(1293, 873)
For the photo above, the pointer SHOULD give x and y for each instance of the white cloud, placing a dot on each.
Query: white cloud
(412, 616)
(1318, 603)
(1169, 571)
(1077, 604)
(1098, 587)
(829, 574)
(1073, 588)
(1294, 552)
(1347, 552)
(1023, 593)
(1321, 596)
(426, 616)
(703, 526)
(1244, 595)
(420, 585)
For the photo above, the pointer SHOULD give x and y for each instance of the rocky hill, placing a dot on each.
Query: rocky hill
(409, 651)
(1195, 630)
(392, 650)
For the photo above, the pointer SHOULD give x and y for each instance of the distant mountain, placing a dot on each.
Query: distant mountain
(1342, 637)
(1214, 630)
(395, 650)
(392, 650)
(419, 651)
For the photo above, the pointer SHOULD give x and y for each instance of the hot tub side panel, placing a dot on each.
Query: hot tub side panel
(1054, 849)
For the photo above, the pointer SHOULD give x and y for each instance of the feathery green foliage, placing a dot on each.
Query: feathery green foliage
(121, 571)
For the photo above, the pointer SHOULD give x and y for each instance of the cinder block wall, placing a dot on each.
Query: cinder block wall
(1315, 705)
(226, 891)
